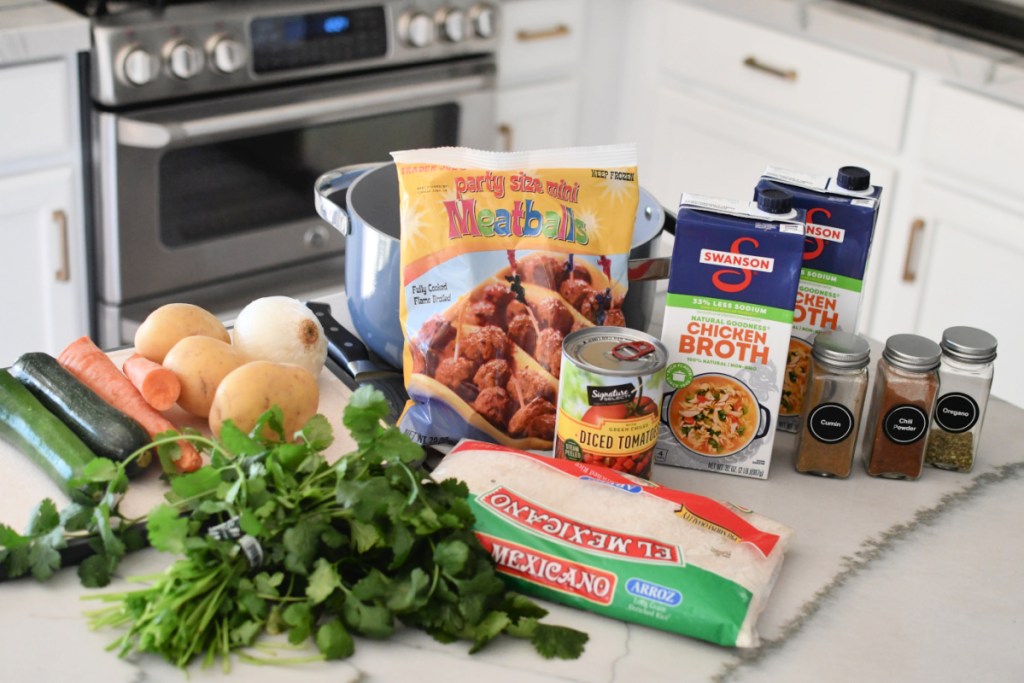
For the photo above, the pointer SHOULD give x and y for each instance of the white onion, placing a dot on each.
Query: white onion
(282, 330)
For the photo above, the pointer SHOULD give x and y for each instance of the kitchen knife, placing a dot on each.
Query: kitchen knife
(349, 352)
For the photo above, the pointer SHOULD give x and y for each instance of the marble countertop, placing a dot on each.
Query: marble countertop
(885, 580)
(31, 30)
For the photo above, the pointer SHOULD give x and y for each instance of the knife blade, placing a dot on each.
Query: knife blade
(349, 352)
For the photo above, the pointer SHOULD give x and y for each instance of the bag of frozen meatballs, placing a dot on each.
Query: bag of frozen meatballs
(502, 255)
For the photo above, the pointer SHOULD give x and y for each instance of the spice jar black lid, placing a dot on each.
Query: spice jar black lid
(842, 349)
(969, 344)
(912, 352)
(853, 178)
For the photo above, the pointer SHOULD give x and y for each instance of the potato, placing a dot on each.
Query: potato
(200, 364)
(252, 389)
(167, 325)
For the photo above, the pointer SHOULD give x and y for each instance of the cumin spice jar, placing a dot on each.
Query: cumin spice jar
(902, 402)
(830, 418)
(965, 378)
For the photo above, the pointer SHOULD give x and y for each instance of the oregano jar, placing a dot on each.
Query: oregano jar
(965, 378)
(831, 413)
(902, 402)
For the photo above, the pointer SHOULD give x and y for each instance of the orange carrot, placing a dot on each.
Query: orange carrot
(83, 359)
(158, 385)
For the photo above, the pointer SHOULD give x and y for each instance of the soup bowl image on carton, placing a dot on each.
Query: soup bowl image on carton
(841, 213)
(728, 319)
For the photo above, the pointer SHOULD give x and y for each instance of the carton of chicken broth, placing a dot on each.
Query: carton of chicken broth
(728, 319)
(840, 223)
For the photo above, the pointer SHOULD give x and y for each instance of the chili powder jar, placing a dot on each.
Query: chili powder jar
(831, 412)
(902, 402)
(965, 378)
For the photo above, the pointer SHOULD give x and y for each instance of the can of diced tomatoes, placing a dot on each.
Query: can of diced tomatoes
(609, 398)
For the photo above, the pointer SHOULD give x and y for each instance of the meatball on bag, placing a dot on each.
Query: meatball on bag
(502, 255)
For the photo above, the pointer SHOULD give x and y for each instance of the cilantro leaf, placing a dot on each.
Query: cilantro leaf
(96, 571)
(167, 529)
(410, 592)
(334, 641)
(323, 581)
(43, 557)
(44, 518)
(318, 433)
(451, 555)
(558, 642)
(9, 538)
(202, 482)
(372, 621)
(366, 408)
(300, 544)
(298, 615)
(488, 629)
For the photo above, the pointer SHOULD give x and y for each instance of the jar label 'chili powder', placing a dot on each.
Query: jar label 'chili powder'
(905, 424)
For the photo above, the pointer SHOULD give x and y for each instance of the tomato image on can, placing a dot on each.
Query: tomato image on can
(609, 398)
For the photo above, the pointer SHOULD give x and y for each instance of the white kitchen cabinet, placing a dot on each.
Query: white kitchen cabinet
(45, 284)
(537, 116)
(43, 297)
(960, 264)
(539, 59)
(710, 123)
(956, 249)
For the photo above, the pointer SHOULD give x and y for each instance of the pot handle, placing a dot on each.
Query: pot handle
(331, 183)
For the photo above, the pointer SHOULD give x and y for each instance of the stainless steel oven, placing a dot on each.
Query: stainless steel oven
(211, 120)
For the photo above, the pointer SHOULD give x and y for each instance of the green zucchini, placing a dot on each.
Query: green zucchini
(41, 436)
(107, 431)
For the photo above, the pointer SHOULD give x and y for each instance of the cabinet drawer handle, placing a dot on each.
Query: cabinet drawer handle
(63, 273)
(505, 131)
(910, 262)
(753, 62)
(557, 31)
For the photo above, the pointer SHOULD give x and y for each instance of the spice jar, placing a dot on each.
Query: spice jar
(902, 401)
(831, 412)
(965, 378)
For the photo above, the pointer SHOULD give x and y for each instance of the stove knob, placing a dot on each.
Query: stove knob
(137, 67)
(226, 53)
(183, 60)
(481, 17)
(453, 24)
(416, 29)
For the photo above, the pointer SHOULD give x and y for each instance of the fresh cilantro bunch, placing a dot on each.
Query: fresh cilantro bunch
(92, 519)
(276, 540)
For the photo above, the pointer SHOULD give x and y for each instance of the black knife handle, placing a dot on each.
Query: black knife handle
(343, 347)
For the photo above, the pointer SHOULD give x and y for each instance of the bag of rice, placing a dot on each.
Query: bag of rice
(592, 538)
(502, 255)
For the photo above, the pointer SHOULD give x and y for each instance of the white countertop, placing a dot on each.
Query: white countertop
(885, 580)
(31, 30)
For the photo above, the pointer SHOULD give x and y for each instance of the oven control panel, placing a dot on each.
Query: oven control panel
(209, 47)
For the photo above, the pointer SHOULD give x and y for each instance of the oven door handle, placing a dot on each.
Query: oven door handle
(159, 135)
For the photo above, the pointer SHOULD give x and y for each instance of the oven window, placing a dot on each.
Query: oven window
(227, 188)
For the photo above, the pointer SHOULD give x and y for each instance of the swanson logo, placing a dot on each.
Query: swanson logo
(816, 234)
(745, 263)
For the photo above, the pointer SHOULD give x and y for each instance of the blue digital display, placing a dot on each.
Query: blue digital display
(300, 41)
(336, 24)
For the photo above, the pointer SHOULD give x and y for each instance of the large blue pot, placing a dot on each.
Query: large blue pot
(371, 223)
